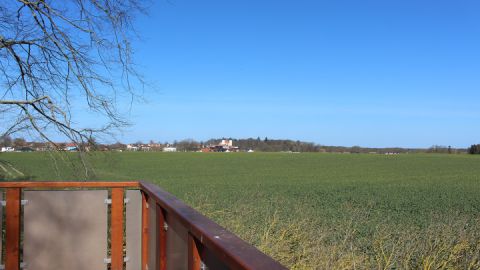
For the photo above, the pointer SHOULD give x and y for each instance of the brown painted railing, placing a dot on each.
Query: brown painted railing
(207, 244)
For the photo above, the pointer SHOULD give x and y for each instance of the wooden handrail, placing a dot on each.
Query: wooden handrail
(229, 248)
(69, 184)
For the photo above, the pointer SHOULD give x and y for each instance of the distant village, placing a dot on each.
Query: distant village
(184, 146)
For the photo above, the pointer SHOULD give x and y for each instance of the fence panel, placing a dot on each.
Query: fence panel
(177, 245)
(65, 229)
(133, 230)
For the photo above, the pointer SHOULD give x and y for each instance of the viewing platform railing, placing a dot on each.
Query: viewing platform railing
(113, 226)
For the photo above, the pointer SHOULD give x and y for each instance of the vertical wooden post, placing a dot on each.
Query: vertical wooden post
(144, 231)
(117, 228)
(12, 241)
(194, 260)
(161, 239)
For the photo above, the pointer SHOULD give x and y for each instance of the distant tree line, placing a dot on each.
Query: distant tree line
(7, 141)
(188, 145)
(271, 145)
(441, 149)
(267, 145)
(474, 149)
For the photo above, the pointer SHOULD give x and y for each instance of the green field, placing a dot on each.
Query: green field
(312, 211)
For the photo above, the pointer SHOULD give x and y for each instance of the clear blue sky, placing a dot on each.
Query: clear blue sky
(370, 73)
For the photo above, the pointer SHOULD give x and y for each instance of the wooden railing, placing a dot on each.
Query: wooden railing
(207, 245)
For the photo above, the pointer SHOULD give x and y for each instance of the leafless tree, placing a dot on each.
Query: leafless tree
(62, 56)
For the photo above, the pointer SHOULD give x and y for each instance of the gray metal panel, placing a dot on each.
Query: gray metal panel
(177, 245)
(152, 234)
(65, 229)
(133, 229)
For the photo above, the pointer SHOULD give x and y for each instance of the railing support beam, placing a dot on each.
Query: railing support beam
(12, 241)
(144, 231)
(161, 239)
(117, 228)
(194, 260)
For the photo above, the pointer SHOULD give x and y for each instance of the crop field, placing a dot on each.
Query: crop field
(310, 211)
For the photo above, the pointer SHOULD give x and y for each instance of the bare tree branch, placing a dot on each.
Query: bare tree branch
(25, 102)
(58, 56)
(54, 52)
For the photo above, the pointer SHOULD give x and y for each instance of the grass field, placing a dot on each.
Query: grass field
(313, 211)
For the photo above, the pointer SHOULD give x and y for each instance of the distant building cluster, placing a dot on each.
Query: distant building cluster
(169, 149)
(38, 146)
(147, 147)
(223, 146)
(73, 147)
(7, 149)
(27, 147)
(184, 146)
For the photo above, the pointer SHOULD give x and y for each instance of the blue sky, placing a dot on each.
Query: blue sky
(370, 73)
